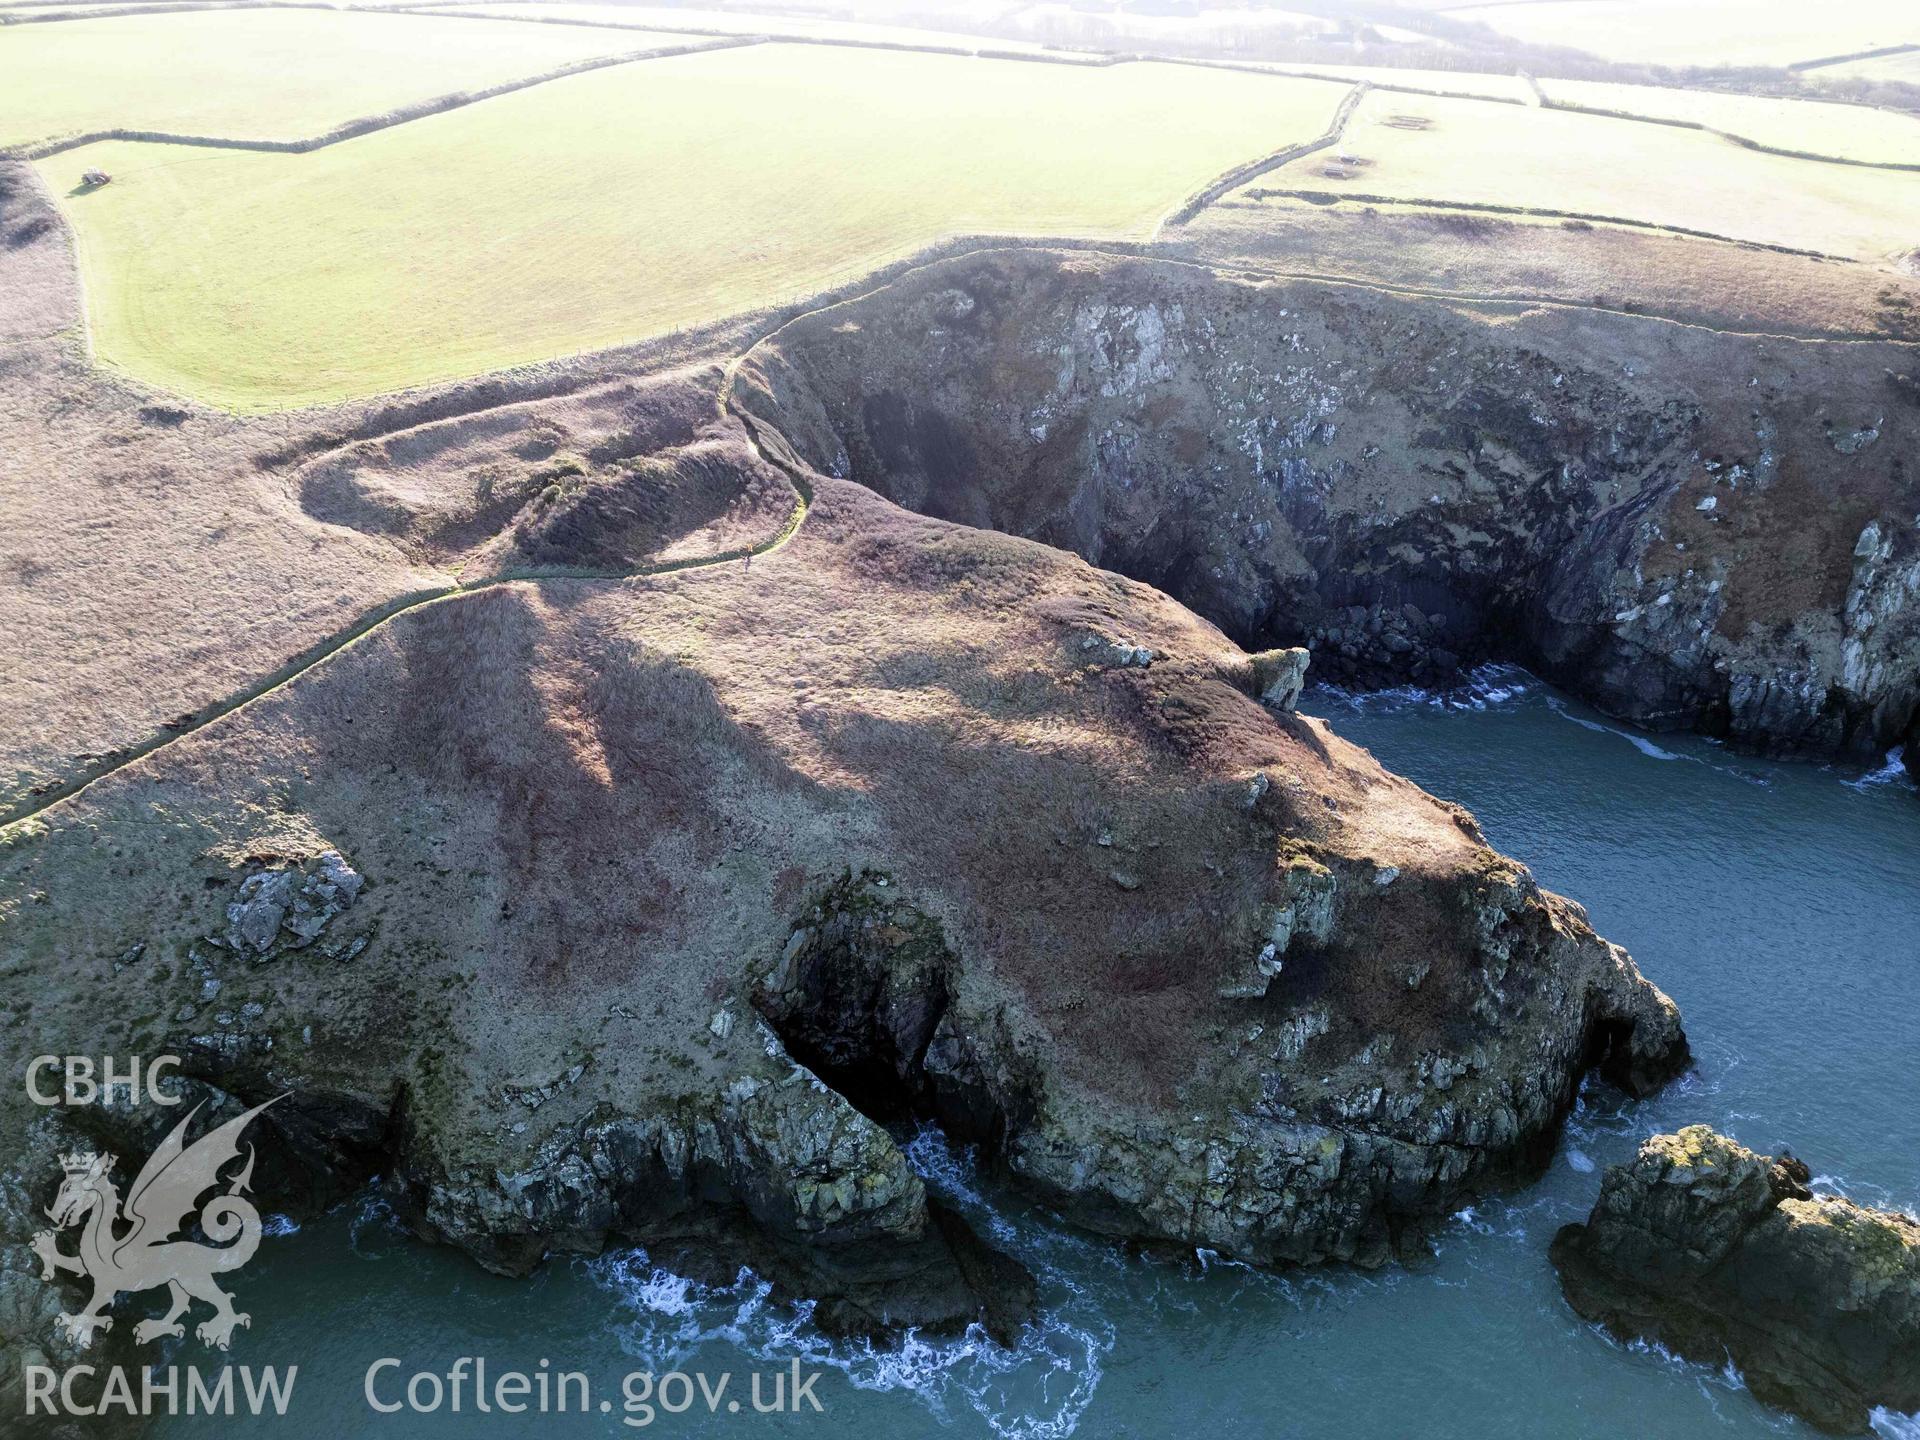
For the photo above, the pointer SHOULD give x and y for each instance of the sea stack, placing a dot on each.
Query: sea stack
(1719, 1253)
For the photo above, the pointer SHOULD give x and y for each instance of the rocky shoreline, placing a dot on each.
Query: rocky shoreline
(590, 915)
(1720, 1254)
(1335, 1167)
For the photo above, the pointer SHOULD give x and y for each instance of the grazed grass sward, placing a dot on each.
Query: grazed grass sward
(1704, 32)
(623, 203)
(1904, 68)
(730, 22)
(1418, 148)
(1811, 127)
(264, 74)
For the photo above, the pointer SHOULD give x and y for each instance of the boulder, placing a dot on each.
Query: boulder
(1718, 1253)
(288, 906)
(1279, 676)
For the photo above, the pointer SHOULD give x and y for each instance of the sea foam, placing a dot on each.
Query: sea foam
(1036, 1389)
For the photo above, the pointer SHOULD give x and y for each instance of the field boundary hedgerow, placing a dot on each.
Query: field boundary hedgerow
(1877, 54)
(368, 124)
(1536, 212)
(1240, 174)
(711, 39)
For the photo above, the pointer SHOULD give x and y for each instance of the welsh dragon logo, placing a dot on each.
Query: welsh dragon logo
(129, 1246)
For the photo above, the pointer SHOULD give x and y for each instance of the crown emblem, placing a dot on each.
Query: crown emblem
(79, 1162)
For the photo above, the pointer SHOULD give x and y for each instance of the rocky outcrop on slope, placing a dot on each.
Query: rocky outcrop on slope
(1690, 529)
(1716, 1252)
(1280, 675)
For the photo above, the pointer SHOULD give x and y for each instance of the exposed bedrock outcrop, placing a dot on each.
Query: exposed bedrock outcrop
(1315, 1129)
(1691, 529)
(560, 906)
(1716, 1252)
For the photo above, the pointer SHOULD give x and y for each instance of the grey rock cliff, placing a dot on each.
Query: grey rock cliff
(1692, 530)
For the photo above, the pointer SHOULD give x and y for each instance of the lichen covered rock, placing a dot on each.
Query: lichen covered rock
(1280, 675)
(1717, 1252)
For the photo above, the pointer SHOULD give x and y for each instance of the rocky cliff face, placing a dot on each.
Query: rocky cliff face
(1690, 529)
(1715, 1251)
(588, 913)
(1349, 1094)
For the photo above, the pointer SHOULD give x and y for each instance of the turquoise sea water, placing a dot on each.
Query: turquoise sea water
(1779, 904)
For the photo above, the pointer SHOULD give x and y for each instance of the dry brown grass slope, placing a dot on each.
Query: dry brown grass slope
(589, 814)
(162, 559)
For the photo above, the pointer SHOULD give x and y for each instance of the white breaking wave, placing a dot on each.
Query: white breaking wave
(1893, 772)
(1892, 1425)
(1483, 688)
(1863, 1192)
(1639, 742)
(372, 1212)
(1038, 1389)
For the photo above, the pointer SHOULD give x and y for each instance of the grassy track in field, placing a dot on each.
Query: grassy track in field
(1705, 32)
(1418, 148)
(619, 204)
(263, 74)
(1851, 132)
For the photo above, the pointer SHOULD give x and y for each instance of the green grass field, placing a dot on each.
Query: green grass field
(611, 206)
(1445, 82)
(731, 22)
(1904, 68)
(1850, 132)
(1704, 32)
(1417, 148)
(264, 74)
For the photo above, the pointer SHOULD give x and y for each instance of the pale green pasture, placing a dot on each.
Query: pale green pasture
(615, 205)
(1850, 132)
(264, 74)
(1414, 147)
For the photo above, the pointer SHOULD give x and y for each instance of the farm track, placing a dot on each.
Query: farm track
(16, 820)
